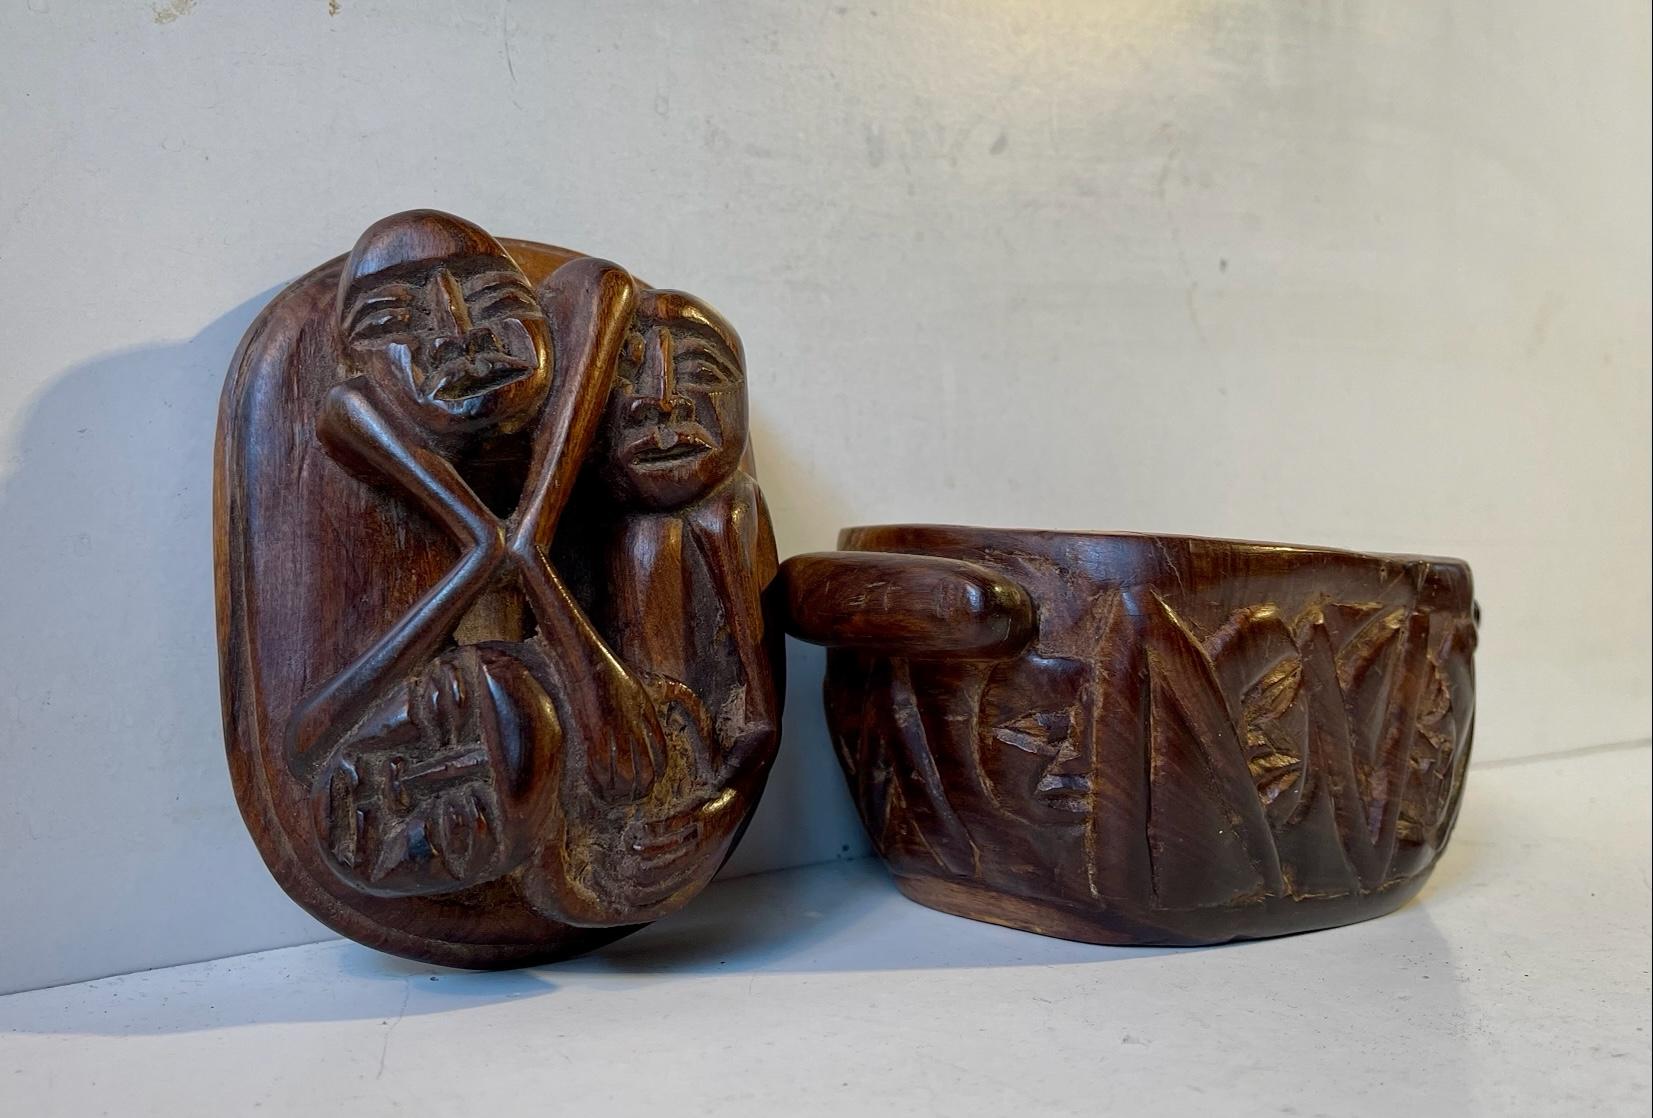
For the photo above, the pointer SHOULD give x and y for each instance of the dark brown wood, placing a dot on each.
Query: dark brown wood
(491, 567)
(906, 605)
(1144, 739)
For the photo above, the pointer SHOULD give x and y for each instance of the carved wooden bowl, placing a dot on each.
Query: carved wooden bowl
(1135, 739)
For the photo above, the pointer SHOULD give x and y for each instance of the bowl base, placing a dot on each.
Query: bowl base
(1120, 926)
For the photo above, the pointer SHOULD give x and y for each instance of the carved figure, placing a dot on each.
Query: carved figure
(444, 745)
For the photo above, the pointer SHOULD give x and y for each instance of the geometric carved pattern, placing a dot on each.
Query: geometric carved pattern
(1201, 741)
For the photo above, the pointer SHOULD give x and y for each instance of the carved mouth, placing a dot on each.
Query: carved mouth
(438, 772)
(476, 375)
(1069, 792)
(669, 446)
(682, 452)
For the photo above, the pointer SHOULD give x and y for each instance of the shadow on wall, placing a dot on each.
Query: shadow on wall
(805, 815)
(115, 797)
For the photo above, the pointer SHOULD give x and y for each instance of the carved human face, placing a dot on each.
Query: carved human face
(676, 422)
(446, 781)
(1033, 739)
(460, 341)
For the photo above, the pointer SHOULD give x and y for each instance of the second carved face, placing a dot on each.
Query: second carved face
(676, 422)
(1033, 739)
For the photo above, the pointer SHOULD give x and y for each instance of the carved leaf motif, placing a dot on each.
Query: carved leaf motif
(1200, 761)
(1275, 773)
(1275, 692)
(1433, 762)
(1275, 750)
(1437, 701)
(1365, 650)
(1360, 686)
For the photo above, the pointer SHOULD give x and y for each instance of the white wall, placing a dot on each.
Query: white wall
(1373, 275)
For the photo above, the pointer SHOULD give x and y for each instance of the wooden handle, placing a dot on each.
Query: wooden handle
(908, 605)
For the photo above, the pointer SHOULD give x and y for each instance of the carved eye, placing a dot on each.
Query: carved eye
(631, 357)
(503, 300)
(381, 314)
(700, 365)
(702, 372)
(1040, 733)
(382, 325)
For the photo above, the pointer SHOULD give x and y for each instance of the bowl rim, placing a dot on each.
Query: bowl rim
(986, 533)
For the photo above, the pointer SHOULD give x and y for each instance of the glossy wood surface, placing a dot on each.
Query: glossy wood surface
(1194, 741)
(492, 566)
(909, 605)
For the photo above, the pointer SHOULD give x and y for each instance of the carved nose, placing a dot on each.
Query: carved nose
(649, 406)
(444, 348)
(654, 379)
(447, 307)
(656, 383)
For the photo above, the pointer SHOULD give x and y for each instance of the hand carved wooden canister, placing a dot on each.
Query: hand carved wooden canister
(1144, 739)
(491, 561)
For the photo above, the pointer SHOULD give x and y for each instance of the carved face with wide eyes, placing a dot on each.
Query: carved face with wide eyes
(1032, 739)
(676, 422)
(460, 341)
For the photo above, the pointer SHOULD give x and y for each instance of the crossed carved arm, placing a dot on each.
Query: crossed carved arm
(357, 430)
(590, 303)
(589, 307)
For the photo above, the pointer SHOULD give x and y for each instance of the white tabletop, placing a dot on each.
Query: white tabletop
(1517, 983)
